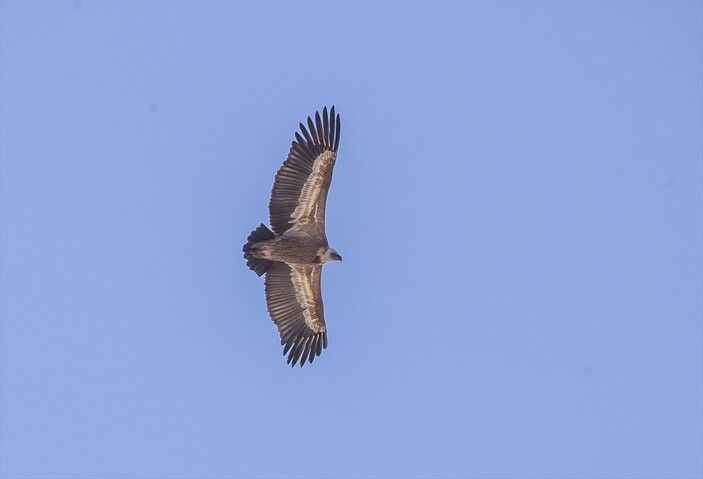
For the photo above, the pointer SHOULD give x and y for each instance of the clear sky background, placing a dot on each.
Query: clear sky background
(518, 199)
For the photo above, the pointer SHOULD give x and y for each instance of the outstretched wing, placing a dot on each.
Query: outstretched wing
(300, 189)
(294, 301)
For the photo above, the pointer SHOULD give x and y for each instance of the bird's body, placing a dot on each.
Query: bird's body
(291, 249)
(292, 252)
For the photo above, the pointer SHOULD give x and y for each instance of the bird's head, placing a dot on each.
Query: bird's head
(330, 255)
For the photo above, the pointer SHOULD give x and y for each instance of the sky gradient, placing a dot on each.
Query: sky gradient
(518, 199)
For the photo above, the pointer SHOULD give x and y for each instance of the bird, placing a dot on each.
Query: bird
(292, 252)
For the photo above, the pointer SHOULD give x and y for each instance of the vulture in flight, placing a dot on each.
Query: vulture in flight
(292, 252)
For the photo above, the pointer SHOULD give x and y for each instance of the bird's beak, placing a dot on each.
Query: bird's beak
(339, 257)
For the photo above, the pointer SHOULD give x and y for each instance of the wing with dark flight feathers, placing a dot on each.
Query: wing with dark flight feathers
(300, 189)
(294, 301)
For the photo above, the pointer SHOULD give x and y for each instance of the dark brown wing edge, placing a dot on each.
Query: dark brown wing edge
(300, 342)
(318, 137)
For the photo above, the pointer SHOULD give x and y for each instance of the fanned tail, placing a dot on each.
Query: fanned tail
(257, 265)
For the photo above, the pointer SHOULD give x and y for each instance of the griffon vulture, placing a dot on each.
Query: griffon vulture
(293, 253)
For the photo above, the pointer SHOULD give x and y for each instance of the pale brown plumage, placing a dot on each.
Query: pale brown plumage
(292, 254)
(309, 163)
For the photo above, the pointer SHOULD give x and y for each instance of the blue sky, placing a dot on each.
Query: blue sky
(518, 199)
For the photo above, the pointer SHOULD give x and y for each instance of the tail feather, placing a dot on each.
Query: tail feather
(257, 265)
